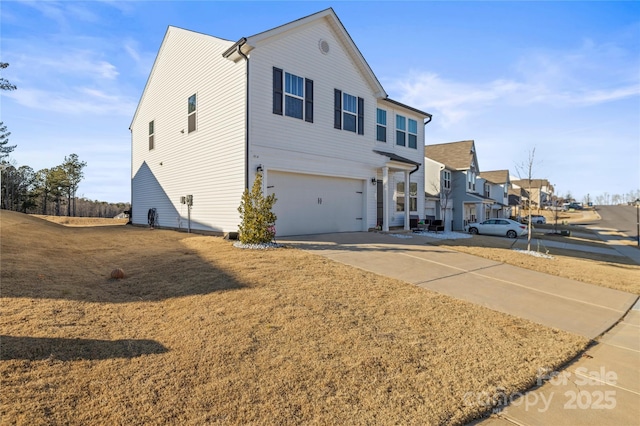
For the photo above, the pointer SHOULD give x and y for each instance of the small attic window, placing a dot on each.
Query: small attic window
(191, 124)
(323, 45)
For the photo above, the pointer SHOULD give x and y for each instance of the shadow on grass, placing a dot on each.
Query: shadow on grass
(41, 260)
(42, 348)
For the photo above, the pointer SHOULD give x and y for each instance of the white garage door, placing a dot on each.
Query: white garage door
(311, 204)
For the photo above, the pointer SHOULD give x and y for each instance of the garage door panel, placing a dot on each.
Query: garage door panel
(311, 204)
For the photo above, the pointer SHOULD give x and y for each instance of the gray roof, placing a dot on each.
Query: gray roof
(396, 157)
(496, 176)
(454, 155)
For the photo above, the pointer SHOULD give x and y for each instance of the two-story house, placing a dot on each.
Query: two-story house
(496, 185)
(458, 181)
(438, 188)
(539, 191)
(298, 104)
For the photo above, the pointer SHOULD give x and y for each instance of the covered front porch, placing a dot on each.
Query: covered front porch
(385, 191)
(477, 208)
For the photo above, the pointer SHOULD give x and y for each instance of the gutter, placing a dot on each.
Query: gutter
(425, 123)
(238, 46)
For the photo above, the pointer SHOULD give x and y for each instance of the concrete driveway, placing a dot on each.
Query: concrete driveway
(580, 308)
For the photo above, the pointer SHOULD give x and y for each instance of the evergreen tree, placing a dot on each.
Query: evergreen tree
(5, 149)
(257, 220)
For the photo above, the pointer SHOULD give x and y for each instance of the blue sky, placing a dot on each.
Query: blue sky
(560, 77)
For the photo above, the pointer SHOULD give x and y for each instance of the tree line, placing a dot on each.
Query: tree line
(49, 191)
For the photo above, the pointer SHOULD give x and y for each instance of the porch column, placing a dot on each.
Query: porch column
(385, 199)
(407, 207)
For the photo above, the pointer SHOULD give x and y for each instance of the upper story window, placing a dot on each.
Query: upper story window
(471, 181)
(381, 125)
(487, 190)
(292, 95)
(406, 132)
(401, 130)
(506, 189)
(192, 114)
(151, 135)
(348, 112)
(413, 134)
(446, 179)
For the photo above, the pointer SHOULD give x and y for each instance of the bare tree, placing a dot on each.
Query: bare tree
(445, 196)
(526, 169)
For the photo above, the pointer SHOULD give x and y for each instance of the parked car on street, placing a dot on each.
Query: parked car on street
(574, 206)
(535, 218)
(501, 227)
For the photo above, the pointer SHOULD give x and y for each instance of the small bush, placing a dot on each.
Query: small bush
(257, 221)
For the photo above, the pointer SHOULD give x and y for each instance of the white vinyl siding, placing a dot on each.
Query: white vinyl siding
(189, 163)
(210, 162)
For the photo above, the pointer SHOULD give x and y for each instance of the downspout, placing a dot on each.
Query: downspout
(246, 115)
(418, 166)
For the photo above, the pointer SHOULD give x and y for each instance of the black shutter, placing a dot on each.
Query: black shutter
(360, 116)
(308, 100)
(277, 91)
(337, 109)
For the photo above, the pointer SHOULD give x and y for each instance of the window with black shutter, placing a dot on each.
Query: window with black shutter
(308, 100)
(277, 90)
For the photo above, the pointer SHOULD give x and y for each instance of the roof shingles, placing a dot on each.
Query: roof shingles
(454, 155)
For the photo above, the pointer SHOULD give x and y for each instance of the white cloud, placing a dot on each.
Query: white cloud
(590, 74)
(81, 100)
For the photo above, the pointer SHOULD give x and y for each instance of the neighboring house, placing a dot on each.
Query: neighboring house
(496, 186)
(438, 201)
(516, 197)
(459, 176)
(297, 103)
(540, 191)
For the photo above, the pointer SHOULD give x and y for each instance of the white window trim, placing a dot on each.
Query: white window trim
(378, 124)
(401, 194)
(446, 179)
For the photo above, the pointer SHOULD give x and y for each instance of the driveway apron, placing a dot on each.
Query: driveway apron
(573, 306)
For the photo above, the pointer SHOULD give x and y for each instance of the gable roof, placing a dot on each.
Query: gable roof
(535, 183)
(454, 155)
(170, 30)
(247, 44)
(496, 176)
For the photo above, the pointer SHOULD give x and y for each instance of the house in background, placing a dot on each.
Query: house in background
(298, 104)
(539, 192)
(496, 185)
(516, 197)
(460, 174)
(438, 202)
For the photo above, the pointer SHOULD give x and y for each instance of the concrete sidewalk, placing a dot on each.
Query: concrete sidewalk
(580, 308)
(602, 387)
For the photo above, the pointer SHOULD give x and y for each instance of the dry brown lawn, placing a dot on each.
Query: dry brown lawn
(201, 332)
(617, 272)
